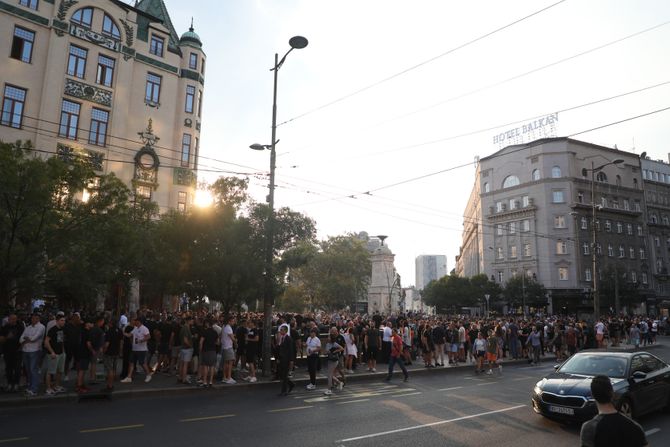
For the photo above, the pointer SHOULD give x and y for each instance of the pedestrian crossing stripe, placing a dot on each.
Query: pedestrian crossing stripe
(353, 395)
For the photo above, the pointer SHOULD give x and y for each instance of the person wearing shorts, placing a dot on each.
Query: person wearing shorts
(83, 358)
(480, 352)
(55, 347)
(140, 336)
(186, 351)
(228, 351)
(252, 349)
(208, 343)
(492, 352)
(111, 350)
(372, 342)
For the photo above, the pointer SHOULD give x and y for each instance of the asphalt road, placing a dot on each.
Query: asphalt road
(456, 408)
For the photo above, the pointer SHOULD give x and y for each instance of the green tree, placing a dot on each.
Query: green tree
(333, 275)
(518, 289)
(37, 213)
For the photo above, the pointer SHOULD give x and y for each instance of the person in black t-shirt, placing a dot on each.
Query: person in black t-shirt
(84, 352)
(253, 337)
(54, 343)
(10, 334)
(209, 339)
(112, 348)
(609, 427)
(241, 337)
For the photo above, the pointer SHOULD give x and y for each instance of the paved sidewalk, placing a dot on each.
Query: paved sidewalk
(163, 384)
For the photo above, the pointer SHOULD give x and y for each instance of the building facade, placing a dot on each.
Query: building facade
(429, 268)
(108, 82)
(656, 181)
(536, 208)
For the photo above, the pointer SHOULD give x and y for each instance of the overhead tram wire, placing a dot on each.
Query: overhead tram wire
(511, 123)
(504, 81)
(130, 140)
(522, 148)
(414, 67)
(130, 151)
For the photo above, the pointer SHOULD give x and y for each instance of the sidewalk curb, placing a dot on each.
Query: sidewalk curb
(71, 397)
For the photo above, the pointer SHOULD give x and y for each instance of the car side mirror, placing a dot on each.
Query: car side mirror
(639, 375)
(557, 366)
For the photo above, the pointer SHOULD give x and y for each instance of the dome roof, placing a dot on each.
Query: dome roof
(190, 37)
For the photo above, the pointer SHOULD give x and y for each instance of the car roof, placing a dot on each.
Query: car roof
(611, 353)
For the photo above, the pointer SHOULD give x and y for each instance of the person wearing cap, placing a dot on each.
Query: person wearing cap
(609, 427)
(31, 344)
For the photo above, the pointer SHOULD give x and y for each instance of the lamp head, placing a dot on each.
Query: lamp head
(298, 42)
(258, 147)
(618, 161)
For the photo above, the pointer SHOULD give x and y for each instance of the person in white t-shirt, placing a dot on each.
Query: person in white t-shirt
(228, 350)
(140, 336)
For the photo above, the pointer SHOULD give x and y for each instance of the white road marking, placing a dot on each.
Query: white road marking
(290, 409)
(449, 389)
(652, 431)
(432, 424)
(405, 394)
(522, 378)
(2, 441)
(487, 383)
(351, 401)
(207, 418)
(119, 427)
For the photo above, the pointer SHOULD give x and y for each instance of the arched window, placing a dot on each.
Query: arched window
(510, 180)
(601, 177)
(618, 180)
(635, 183)
(654, 219)
(536, 174)
(83, 16)
(109, 28)
(556, 172)
(487, 188)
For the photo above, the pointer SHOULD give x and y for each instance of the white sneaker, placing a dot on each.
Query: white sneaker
(310, 386)
(147, 379)
(127, 380)
(253, 380)
(231, 381)
(340, 386)
(59, 389)
(489, 372)
(350, 371)
(327, 393)
(51, 392)
(374, 370)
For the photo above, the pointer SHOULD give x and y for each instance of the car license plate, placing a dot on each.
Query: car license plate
(562, 410)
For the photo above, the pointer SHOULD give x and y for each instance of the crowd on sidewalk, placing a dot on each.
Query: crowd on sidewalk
(44, 350)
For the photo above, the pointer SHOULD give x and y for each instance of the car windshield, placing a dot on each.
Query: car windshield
(592, 365)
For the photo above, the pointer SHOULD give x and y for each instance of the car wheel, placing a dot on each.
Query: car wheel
(626, 408)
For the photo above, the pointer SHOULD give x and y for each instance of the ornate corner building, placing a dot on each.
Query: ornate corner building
(108, 81)
(531, 213)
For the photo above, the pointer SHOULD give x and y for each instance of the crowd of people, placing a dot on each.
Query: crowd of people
(46, 349)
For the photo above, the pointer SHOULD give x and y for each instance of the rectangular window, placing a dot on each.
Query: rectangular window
(644, 278)
(512, 228)
(143, 192)
(181, 201)
(626, 204)
(619, 227)
(499, 230)
(631, 250)
(76, 64)
(526, 250)
(525, 225)
(637, 206)
(199, 103)
(512, 204)
(559, 221)
(501, 255)
(22, 44)
(643, 255)
(512, 251)
(558, 196)
(197, 152)
(629, 229)
(153, 90)
(562, 273)
(585, 248)
(639, 230)
(190, 98)
(156, 45)
(610, 250)
(585, 223)
(633, 276)
(13, 102)
(587, 275)
(499, 207)
(580, 197)
(622, 251)
(69, 120)
(599, 249)
(608, 226)
(193, 61)
(561, 248)
(186, 150)
(500, 277)
(202, 67)
(525, 201)
(98, 133)
(32, 4)
(105, 74)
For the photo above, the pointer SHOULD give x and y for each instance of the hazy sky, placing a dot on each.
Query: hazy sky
(404, 127)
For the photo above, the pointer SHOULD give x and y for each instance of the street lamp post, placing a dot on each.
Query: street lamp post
(296, 42)
(594, 235)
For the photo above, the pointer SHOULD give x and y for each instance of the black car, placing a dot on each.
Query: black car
(641, 383)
